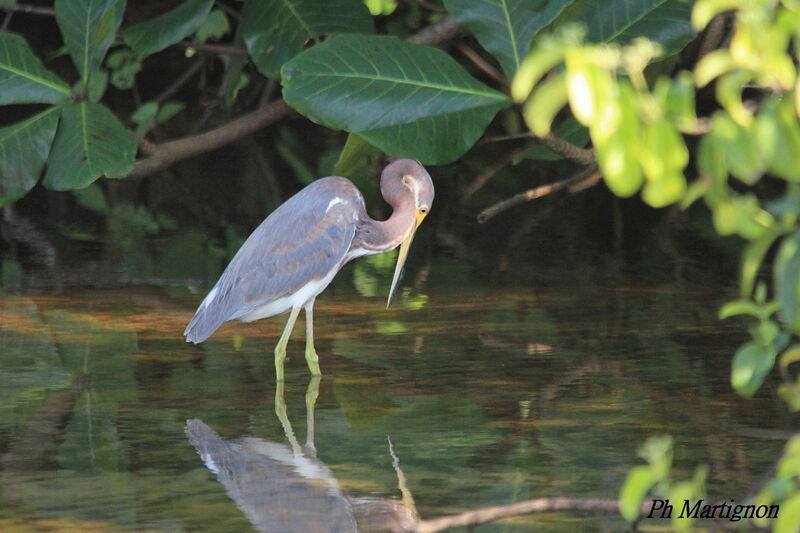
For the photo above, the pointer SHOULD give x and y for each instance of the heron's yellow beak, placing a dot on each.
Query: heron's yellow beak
(401, 257)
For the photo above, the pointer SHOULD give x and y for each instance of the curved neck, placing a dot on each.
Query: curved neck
(381, 236)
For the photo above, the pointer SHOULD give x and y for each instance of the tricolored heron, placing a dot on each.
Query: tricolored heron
(297, 250)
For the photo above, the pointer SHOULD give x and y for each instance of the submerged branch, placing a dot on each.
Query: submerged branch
(167, 153)
(582, 180)
(539, 505)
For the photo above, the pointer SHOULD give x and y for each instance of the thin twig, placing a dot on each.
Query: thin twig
(539, 505)
(589, 175)
(27, 8)
(494, 168)
(481, 63)
(714, 34)
(182, 80)
(170, 152)
(512, 137)
(218, 49)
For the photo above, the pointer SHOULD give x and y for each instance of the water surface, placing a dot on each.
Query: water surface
(488, 396)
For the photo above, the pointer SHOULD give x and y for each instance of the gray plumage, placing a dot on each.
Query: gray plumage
(304, 239)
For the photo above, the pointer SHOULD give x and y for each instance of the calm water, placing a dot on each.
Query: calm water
(488, 396)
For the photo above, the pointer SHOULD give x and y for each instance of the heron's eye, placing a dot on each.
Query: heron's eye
(423, 210)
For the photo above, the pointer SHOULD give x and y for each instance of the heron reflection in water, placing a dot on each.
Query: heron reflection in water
(295, 253)
(285, 488)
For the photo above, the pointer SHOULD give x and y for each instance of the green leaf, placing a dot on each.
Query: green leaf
(23, 151)
(90, 142)
(23, 77)
(91, 198)
(356, 152)
(751, 364)
(545, 55)
(124, 65)
(144, 117)
(154, 35)
(787, 280)
(736, 142)
(97, 86)
(616, 146)
(778, 137)
(506, 27)
(407, 100)
(666, 22)
(543, 105)
(215, 26)
(789, 516)
(381, 7)
(275, 31)
(88, 28)
(169, 110)
(740, 307)
(663, 156)
(636, 486)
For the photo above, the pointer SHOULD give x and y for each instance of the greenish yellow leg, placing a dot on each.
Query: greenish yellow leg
(280, 410)
(312, 393)
(311, 354)
(280, 349)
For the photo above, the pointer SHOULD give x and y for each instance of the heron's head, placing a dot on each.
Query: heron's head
(406, 181)
(406, 184)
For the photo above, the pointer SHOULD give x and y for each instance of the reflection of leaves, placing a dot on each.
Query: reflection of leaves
(440, 433)
(29, 363)
(371, 273)
(89, 346)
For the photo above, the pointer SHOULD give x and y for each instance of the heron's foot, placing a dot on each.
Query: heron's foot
(313, 360)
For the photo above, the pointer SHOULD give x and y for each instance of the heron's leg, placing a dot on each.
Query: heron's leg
(311, 354)
(280, 410)
(280, 348)
(312, 393)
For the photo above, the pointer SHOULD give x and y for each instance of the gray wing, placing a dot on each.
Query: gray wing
(303, 240)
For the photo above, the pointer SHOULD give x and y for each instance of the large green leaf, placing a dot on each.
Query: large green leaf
(88, 28)
(506, 27)
(406, 99)
(90, 142)
(23, 150)
(154, 35)
(664, 21)
(275, 30)
(23, 78)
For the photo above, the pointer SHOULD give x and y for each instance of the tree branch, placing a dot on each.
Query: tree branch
(443, 30)
(218, 49)
(584, 156)
(539, 505)
(165, 154)
(26, 8)
(494, 168)
(583, 179)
